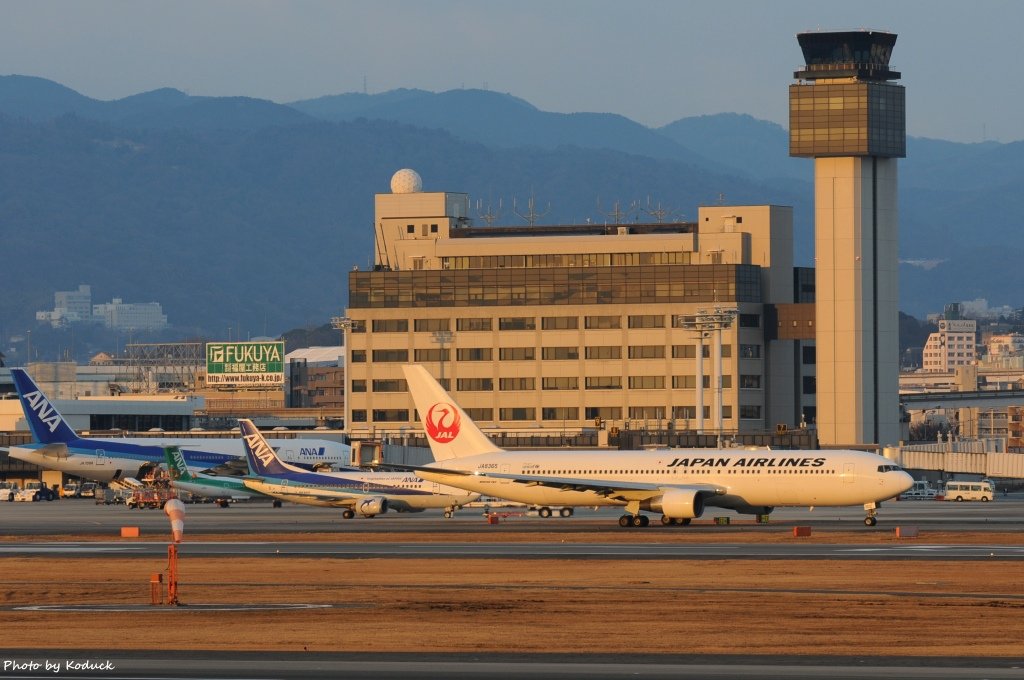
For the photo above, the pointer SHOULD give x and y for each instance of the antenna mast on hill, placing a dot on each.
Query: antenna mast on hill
(531, 216)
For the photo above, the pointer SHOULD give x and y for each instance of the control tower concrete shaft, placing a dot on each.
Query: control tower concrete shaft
(846, 114)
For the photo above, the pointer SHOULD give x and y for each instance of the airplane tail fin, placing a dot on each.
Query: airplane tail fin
(176, 465)
(47, 425)
(450, 432)
(259, 454)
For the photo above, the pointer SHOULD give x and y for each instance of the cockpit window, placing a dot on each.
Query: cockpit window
(888, 468)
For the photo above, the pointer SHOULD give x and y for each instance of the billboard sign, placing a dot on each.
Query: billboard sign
(245, 364)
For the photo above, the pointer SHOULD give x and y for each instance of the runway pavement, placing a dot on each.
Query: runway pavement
(78, 517)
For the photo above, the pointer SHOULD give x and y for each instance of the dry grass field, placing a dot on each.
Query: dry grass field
(801, 607)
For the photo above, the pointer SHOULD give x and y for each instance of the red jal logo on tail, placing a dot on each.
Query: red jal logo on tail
(442, 423)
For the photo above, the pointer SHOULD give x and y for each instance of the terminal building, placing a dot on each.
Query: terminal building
(686, 325)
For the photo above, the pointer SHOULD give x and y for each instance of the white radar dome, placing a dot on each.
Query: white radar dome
(406, 181)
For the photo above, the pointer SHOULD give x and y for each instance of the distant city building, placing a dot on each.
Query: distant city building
(1005, 345)
(316, 377)
(69, 306)
(140, 316)
(75, 306)
(951, 347)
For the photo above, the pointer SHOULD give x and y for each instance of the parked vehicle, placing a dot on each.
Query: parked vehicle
(969, 491)
(88, 490)
(8, 491)
(35, 491)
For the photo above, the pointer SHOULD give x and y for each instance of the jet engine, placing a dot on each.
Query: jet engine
(374, 505)
(677, 504)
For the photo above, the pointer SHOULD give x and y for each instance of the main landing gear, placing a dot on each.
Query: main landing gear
(348, 514)
(634, 521)
(872, 510)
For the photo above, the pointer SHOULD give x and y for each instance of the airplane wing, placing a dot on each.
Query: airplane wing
(612, 488)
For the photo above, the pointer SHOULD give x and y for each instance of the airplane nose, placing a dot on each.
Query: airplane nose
(905, 482)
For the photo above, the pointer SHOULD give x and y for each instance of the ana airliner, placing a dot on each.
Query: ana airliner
(677, 483)
(55, 445)
(365, 493)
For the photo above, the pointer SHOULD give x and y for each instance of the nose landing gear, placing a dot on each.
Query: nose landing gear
(872, 510)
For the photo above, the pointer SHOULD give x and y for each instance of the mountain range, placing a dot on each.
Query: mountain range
(245, 213)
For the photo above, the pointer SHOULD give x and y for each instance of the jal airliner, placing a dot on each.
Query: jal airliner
(678, 484)
(56, 446)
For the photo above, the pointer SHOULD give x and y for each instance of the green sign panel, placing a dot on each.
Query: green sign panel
(245, 364)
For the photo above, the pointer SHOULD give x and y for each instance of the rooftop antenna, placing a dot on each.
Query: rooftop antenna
(531, 216)
(488, 217)
(617, 215)
(658, 213)
(721, 198)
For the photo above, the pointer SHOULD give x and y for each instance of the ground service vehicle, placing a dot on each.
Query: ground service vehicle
(7, 491)
(969, 491)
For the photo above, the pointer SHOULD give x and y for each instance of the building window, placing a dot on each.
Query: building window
(684, 351)
(410, 229)
(604, 352)
(604, 382)
(396, 385)
(390, 325)
(599, 322)
(726, 412)
(359, 356)
(429, 325)
(517, 353)
(646, 351)
(391, 415)
(474, 354)
(516, 384)
(647, 321)
(603, 412)
(646, 412)
(560, 353)
(480, 414)
(809, 354)
(475, 384)
(810, 384)
(390, 356)
(517, 323)
(684, 382)
(646, 382)
(560, 413)
(518, 413)
(750, 412)
(358, 385)
(684, 412)
(749, 351)
(359, 415)
(750, 382)
(560, 383)
(559, 323)
(750, 320)
(472, 324)
(425, 355)
(433, 228)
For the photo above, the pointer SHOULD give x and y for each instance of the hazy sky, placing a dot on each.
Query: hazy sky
(654, 62)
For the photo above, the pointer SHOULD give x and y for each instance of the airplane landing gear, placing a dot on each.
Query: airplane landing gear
(348, 514)
(634, 521)
(675, 521)
(872, 510)
(448, 512)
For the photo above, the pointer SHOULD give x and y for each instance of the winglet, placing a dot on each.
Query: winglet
(450, 432)
(47, 425)
(258, 453)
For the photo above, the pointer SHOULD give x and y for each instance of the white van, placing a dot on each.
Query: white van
(969, 491)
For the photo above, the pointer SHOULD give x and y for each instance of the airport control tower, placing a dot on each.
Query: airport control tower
(846, 114)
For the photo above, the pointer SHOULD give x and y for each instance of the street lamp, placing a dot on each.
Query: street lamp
(707, 324)
(344, 324)
(442, 338)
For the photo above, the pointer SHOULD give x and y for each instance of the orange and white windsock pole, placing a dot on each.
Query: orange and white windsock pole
(175, 510)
